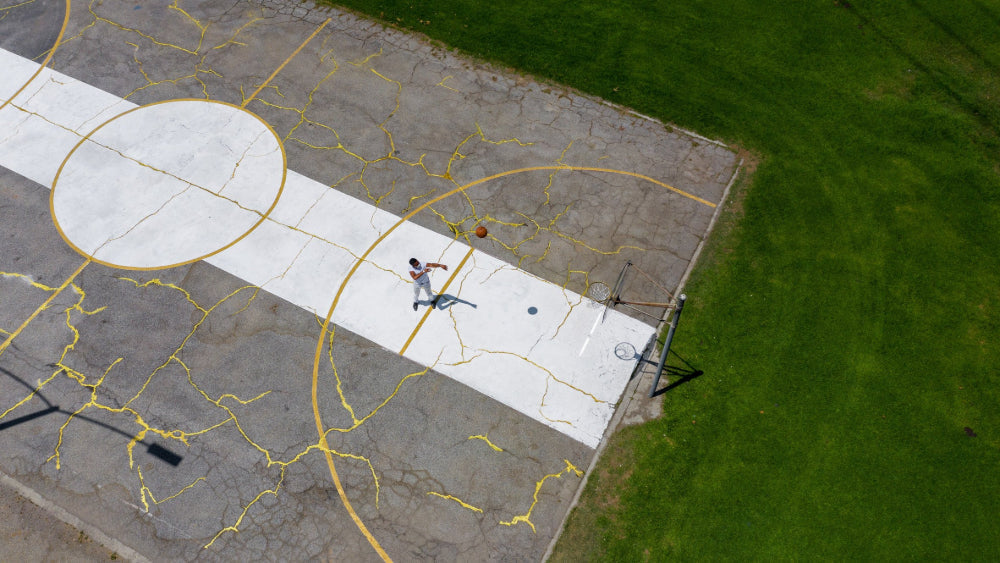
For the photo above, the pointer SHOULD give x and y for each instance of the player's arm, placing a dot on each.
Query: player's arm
(436, 265)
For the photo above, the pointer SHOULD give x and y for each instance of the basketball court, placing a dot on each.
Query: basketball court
(206, 215)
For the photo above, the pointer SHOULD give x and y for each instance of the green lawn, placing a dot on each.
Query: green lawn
(847, 313)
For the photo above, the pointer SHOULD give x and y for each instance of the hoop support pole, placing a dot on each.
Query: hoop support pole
(641, 312)
(621, 279)
(623, 302)
(666, 343)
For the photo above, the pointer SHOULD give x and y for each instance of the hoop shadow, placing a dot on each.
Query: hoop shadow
(152, 449)
(686, 373)
(447, 301)
(626, 351)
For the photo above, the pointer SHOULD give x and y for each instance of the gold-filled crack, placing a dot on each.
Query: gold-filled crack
(526, 517)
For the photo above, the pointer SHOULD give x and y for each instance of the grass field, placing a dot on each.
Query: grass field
(847, 313)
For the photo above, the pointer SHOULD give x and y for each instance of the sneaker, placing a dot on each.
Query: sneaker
(434, 301)
(414, 305)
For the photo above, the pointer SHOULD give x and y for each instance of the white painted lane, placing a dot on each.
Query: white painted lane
(484, 336)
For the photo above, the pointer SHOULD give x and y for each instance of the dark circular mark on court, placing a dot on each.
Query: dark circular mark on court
(532, 310)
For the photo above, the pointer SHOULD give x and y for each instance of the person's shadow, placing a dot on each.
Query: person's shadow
(446, 301)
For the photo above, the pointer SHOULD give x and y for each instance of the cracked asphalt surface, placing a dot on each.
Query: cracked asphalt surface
(170, 408)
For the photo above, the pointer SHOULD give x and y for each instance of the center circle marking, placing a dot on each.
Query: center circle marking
(168, 184)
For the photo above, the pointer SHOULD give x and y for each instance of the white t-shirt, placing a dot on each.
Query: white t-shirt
(420, 272)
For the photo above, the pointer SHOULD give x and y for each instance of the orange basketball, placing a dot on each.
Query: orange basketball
(481, 231)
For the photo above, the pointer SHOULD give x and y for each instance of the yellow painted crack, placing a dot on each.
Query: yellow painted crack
(443, 85)
(235, 527)
(451, 313)
(290, 57)
(40, 384)
(93, 388)
(327, 330)
(147, 494)
(5, 9)
(189, 50)
(27, 279)
(458, 500)
(175, 355)
(409, 204)
(458, 228)
(526, 517)
(485, 438)
(231, 416)
(547, 371)
(140, 221)
(367, 59)
(48, 53)
(444, 288)
(207, 190)
(355, 421)
(200, 66)
(571, 303)
(13, 334)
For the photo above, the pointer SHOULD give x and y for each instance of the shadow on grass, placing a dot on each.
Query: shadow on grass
(154, 450)
(683, 374)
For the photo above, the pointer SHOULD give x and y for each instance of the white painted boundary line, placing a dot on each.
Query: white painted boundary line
(60, 513)
(302, 254)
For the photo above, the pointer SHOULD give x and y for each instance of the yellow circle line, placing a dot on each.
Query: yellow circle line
(326, 321)
(281, 187)
(48, 58)
(336, 299)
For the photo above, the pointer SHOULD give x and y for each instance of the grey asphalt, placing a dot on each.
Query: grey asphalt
(172, 409)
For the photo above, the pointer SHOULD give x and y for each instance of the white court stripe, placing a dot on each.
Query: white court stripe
(597, 319)
(528, 362)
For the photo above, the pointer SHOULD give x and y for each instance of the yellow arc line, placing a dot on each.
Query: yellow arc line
(48, 58)
(288, 60)
(427, 313)
(326, 322)
(324, 445)
(641, 177)
(357, 264)
(43, 306)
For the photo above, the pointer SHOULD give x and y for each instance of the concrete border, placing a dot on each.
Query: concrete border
(66, 517)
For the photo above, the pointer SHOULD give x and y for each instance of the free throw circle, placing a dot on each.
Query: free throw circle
(167, 184)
